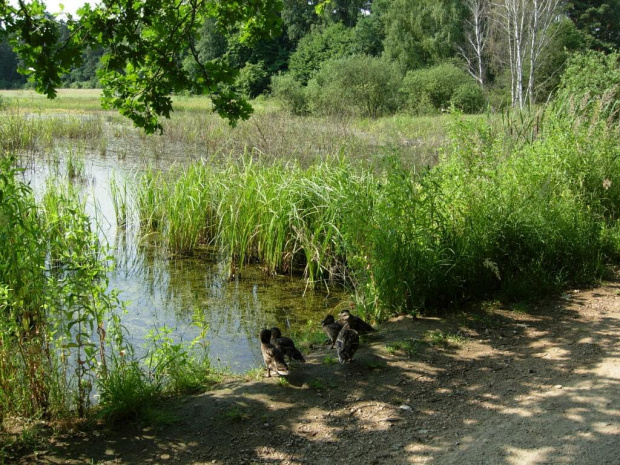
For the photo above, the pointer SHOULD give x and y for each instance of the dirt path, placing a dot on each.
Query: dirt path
(523, 388)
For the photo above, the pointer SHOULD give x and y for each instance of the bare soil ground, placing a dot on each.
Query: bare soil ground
(520, 388)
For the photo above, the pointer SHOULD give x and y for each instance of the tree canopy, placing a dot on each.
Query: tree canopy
(145, 43)
(142, 52)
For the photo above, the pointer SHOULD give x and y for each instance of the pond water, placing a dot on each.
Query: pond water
(162, 291)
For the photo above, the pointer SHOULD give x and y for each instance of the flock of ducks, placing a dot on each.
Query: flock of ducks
(343, 334)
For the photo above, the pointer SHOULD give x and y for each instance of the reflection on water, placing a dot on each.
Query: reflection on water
(164, 291)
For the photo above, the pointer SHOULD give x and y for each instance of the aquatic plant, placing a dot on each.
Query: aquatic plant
(55, 303)
(519, 219)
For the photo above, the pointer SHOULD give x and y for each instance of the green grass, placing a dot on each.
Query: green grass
(493, 219)
(255, 374)
(236, 414)
(319, 384)
(410, 347)
(439, 338)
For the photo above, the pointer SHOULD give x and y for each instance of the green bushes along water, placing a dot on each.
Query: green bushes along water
(496, 216)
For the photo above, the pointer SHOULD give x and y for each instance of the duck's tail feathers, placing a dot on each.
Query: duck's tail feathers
(296, 355)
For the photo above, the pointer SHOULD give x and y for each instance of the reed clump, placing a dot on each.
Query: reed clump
(492, 218)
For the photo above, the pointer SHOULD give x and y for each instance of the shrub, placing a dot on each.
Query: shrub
(590, 87)
(359, 85)
(252, 79)
(290, 93)
(436, 84)
(468, 98)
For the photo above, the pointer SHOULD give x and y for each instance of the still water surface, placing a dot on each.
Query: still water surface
(164, 291)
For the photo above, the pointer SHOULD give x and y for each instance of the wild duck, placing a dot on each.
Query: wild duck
(332, 328)
(347, 343)
(286, 345)
(355, 322)
(272, 355)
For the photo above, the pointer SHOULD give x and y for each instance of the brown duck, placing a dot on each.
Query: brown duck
(272, 355)
(347, 343)
(286, 345)
(355, 322)
(332, 328)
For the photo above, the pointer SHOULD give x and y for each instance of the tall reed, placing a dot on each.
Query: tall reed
(493, 217)
(54, 301)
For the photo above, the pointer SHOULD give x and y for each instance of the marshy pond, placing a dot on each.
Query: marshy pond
(164, 292)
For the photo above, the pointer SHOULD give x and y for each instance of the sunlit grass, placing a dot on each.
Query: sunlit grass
(409, 347)
(439, 338)
(80, 100)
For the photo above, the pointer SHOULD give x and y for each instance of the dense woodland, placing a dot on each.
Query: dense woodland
(371, 58)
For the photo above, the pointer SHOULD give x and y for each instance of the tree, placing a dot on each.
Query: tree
(9, 77)
(322, 44)
(526, 27)
(145, 43)
(422, 33)
(369, 35)
(600, 19)
(298, 17)
(476, 37)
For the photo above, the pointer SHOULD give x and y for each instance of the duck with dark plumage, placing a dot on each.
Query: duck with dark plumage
(272, 355)
(286, 345)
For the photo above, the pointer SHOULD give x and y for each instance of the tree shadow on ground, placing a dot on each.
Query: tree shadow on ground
(537, 387)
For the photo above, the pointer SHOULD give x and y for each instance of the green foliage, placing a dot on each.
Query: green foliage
(126, 393)
(318, 46)
(252, 79)
(145, 43)
(298, 16)
(566, 40)
(434, 87)
(468, 98)
(422, 33)
(290, 93)
(9, 77)
(369, 35)
(358, 86)
(55, 306)
(175, 367)
(590, 88)
(599, 19)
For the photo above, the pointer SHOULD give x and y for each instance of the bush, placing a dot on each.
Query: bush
(468, 98)
(253, 79)
(436, 84)
(290, 93)
(590, 87)
(360, 85)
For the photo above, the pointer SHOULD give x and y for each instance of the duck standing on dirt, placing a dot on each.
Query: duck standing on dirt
(332, 328)
(272, 355)
(355, 322)
(347, 343)
(286, 345)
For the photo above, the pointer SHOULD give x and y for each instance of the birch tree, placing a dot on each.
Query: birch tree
(526, 26)
(476, 37)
